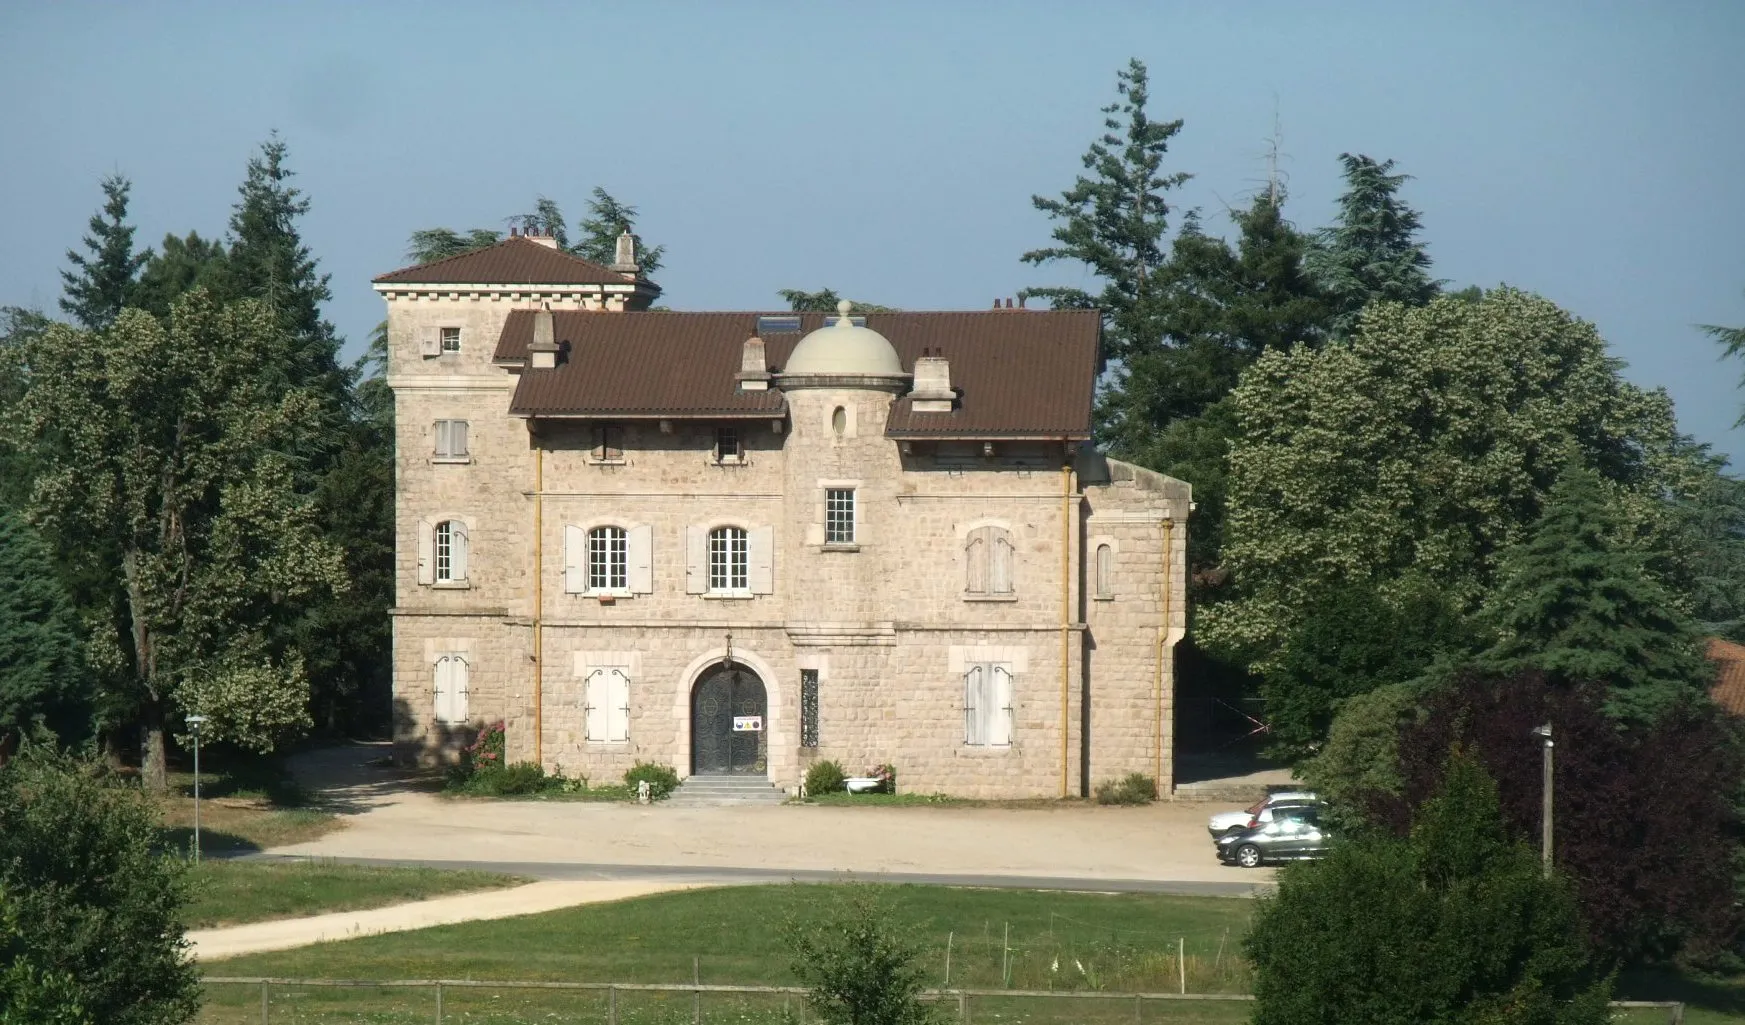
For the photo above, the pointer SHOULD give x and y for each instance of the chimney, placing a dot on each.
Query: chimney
(932, 391)
(548, 241)
(624, 259)
(514, 230)
(542, 351)
(753, 369)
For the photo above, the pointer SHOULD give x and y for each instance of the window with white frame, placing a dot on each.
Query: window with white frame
(450, 549)
(1105, 571)
(451, 439)
(450, 339)
(988, 557)
(727, 448)
(839, 516)
(608, 559)
(729, 559)
(606, 696)
(987, 705)
(450, 686)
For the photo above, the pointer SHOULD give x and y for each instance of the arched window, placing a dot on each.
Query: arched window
(729, 559)
(1105, 571)
(450, 686)
(608, 559)
(451, 552)
(988, 557)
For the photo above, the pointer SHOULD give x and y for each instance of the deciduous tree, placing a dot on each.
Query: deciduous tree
(100, 284)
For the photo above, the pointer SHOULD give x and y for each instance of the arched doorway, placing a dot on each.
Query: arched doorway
(729, 722)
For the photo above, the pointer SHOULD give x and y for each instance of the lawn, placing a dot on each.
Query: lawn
(227, 892)
(1057, 941)
(243, 809)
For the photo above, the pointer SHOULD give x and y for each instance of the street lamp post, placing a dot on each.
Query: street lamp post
(194, 722)
(1544, 735)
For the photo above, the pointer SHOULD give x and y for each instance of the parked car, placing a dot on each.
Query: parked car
(1226, 822)
(1294, 834)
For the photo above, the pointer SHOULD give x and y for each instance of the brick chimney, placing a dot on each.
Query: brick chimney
(932, 391)
(542, 351)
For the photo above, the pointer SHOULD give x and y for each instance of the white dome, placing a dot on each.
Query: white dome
(844, 349)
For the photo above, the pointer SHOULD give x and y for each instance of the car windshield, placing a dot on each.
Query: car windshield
(1254, 809)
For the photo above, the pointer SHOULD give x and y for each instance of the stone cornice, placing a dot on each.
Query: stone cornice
(451, 382)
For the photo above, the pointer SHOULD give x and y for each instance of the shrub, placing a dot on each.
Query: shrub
(484, 754)
(1134, 788)
(860, 968)
(662, 779)
(886, 774)
(1454, 924)
(825, 777)
(80, 870)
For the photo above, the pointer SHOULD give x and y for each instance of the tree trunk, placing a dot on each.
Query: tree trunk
(153, 772)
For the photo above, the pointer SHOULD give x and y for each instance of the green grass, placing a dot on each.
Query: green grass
(235, 892)
(244, 808)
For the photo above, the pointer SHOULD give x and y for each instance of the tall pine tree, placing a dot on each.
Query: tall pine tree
(1372, 253)
(1114, 219)
(181, 265)
(41, 678)
(100, 284)
(607, 219)
(1574, 603)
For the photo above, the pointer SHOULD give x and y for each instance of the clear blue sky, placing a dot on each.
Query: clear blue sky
(1590, 151)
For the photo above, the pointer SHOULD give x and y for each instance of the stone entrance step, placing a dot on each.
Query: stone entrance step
(710, 791)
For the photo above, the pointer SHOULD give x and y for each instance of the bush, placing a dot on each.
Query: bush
(1454, 924)
(886, 774)
(484, 754)
(662, 779)
(825, 777)
(1134, 788)
(80, 869)
(859, 966)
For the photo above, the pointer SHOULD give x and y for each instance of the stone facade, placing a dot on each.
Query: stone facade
(887, 623)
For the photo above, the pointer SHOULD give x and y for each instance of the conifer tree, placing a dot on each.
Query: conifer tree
(825, 301)
(1113, 220)
(607, 219)
(1732, 341)
(40, 638)
(181, 265)
(99, 285)
(1372, 253)
(430, 244)
(1573, 602)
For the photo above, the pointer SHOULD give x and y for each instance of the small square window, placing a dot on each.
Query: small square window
(450, 339)
(727, 448)
(451, 439)
(839, 516)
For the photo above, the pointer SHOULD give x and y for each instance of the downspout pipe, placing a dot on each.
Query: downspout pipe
(538, 597)
(1066, 480)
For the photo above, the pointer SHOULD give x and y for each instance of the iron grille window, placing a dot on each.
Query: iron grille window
(839, 516)
(450, 339)
(726, 445)
(808, 708)
(729, 560)
(608, 559)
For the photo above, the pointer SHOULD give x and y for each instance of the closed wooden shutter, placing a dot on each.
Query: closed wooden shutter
(1000, 717)
(696, 560)
(595, 701)
(975, 557)
(575, 559)
(761, 571)
(1000, 564)
(974, 700)
(443, 688)
(618, 705)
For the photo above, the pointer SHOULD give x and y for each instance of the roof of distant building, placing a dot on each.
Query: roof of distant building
(1017, 374)
(517, 260)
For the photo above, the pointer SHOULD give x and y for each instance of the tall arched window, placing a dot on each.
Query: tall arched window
(451, 552)
(608, 559)
(729, 559)
(988, 557)
(1105, 571)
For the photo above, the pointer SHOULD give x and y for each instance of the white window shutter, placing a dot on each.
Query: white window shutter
(442, 437)
(594, 712)
(458, 700)
(575, 559)
(618, 708)
(430, 343)
(458, 437)
(972, 706)
(1000, 719)
(761, 560)
(975, 558)
(1000, 559)
(696, 560)
(443, 689)
(457, 558)
(641, 560)
(426, 552)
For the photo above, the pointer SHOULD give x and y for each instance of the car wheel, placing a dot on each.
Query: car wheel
(1248, 856)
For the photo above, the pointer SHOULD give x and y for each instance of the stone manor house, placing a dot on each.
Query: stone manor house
(738, 543)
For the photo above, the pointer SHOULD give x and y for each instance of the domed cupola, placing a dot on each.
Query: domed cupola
(843, 350)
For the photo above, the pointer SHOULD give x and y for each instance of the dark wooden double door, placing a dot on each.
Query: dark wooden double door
(723, 695)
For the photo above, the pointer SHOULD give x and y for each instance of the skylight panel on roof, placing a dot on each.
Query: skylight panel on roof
(777, 325)
(856, 321)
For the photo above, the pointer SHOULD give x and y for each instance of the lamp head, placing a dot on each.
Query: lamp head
(195, 721)
(1543, 732)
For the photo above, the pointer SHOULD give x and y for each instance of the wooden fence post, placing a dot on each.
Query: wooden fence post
(439, 1003)
(612, 1005)
(264, 1004)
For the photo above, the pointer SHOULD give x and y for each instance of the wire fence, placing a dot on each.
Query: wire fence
(272, 1001)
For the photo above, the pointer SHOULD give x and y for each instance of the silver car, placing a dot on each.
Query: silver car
(1225, 823)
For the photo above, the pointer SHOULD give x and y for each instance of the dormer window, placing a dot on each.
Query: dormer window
(450, 339)
(727, 448)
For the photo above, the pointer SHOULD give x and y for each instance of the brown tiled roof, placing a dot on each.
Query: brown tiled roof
(517, 260)
(1728, 689)
(1017, 373)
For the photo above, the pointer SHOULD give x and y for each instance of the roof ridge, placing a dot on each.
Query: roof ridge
(499, 244)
